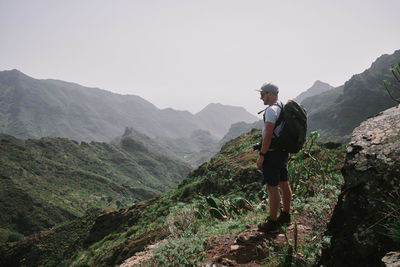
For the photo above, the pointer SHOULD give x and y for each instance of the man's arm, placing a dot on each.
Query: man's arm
(269, 129)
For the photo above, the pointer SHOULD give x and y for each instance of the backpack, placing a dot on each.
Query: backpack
(293, 133)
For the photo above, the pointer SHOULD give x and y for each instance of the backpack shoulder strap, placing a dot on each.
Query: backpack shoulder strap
(263, 114)
(280, 118)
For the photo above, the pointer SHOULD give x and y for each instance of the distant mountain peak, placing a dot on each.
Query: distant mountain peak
(317, 88)
(217, 105)
(14, 72)
(221, 117)
(213, 107)
(214, 104)
(128, 131)
(319, 83)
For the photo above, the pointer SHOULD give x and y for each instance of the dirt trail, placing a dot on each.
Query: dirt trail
(248, 249)
(251, 247)
(142, 258)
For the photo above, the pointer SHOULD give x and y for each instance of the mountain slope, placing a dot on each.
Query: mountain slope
(337, 112)
(51, 180)
(199, 147)
(317, 88)
(31, 108)
(34, 108)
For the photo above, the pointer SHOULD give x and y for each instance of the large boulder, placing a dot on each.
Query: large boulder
(359, 224)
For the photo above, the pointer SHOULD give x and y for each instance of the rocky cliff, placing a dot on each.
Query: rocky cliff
(362, 223)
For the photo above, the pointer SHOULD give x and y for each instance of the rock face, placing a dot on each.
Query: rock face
(392, 259)
(372, 179)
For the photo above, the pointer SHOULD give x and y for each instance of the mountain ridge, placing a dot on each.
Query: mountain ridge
(33, 108)
(335, 113)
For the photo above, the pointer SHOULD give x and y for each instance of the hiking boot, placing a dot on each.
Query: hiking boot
(284, 218)
(270, 227)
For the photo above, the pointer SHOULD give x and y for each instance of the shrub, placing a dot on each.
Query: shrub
(393, 217)
(13, 237)
(314, 167)
(395, 70)
(181, 219)
(184, 251)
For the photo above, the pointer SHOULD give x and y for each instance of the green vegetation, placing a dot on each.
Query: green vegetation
(52, 180)
(186, 250)
(220, 198)
(395, 70)
(393, 214)
(54, 245)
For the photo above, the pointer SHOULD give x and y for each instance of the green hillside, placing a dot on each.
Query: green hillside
(51, 180)
(219, 201)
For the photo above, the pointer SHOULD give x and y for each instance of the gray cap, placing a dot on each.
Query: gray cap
(269, 87)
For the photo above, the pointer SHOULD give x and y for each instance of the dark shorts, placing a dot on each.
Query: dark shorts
(275, 168)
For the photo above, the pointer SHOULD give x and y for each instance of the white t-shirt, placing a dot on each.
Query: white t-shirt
(271, 115)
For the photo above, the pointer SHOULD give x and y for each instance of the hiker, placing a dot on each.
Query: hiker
(274, 162)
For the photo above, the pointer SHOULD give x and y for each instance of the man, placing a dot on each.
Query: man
(274, 163)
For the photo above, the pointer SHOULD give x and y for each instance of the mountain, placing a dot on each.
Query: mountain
(317, 88)
(220, 117)
(336, 112)
(32, 108)
(199, 147)
(239, 128)
(52, 180)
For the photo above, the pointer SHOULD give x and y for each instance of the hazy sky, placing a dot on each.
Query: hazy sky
(186, 54)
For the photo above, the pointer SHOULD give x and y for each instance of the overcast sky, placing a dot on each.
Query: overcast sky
(186, 54)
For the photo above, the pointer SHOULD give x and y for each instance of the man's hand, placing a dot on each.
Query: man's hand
(260, 161)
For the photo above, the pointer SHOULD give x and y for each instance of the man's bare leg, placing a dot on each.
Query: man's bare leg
(274, 201)
(286, 195)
